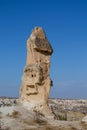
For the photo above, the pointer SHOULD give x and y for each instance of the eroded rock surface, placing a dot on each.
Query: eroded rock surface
(36, 80)
(85, 119)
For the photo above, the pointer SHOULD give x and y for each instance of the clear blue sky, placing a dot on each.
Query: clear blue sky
(65, 23)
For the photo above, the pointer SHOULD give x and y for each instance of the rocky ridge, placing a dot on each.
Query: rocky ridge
(56, 104)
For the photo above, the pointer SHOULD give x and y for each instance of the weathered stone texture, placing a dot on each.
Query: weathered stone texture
(36, 80)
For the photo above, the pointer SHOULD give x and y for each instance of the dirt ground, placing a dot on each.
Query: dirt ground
(16, 117)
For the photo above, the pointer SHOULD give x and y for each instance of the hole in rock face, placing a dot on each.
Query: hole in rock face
(32, 75)
(30, 86)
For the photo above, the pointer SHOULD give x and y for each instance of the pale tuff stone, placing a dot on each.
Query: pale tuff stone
(84, 119)
(36, 80)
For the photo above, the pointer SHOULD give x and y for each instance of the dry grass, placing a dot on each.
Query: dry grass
(73, 128)
(0, 115)
(7, 128)
(74, 116)
(29, 129)
(14, 114)
(49, 128)
(84, 125)
(40, 118)
(57, 128)
(29, 121)
(60, 116)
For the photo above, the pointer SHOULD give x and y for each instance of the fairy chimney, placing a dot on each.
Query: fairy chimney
(36, 82)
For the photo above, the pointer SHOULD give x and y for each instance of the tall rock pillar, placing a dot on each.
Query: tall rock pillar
(36, 80)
